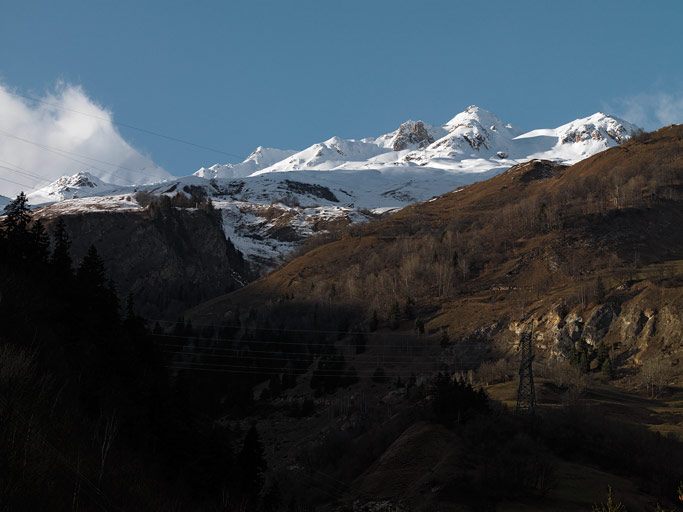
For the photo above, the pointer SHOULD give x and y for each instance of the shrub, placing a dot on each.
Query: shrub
(611, 505)
(492, 372)
(379, 376)
(302, 409)
(655, 375)
(329, 373)
(455, 401)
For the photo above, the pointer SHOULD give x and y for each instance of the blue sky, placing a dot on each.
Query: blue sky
(234, 75)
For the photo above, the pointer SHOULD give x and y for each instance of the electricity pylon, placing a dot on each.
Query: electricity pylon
(526, 394)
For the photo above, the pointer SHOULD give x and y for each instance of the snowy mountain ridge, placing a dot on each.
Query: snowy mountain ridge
(260, 158)
(275, 199)
(473, 140)
(81, 184)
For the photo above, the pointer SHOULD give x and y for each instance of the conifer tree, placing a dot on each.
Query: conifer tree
(445, 340)
(272, 497)
(40, 242)
(275, 386)
(99, 300)
(61, 257)
(395, 315)
(17, 215)
(91, 271)
(130, 308)
(252, 463)
(15, 232)
(374, 322)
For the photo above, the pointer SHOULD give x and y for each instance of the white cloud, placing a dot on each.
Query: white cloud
(41, 141)
(651, 110)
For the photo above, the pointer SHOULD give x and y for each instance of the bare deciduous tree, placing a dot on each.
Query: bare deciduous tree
(108, 434)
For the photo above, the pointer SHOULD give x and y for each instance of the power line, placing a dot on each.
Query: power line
(247, 352)
(328, 371)
(59, 151)
(21, 170)
(305, 343)
(407, 361)
(275, 355)
(86, 164)
(27, 174)
(126, 125)
(275, 371)
(275, 329)
(16, 182)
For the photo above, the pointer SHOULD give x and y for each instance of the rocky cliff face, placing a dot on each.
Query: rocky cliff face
(169, 259)
(412, 133)
(637, 322)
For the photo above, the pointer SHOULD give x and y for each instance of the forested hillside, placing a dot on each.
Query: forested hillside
(91, 419)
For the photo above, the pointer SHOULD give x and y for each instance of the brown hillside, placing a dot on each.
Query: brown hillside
(589, 254)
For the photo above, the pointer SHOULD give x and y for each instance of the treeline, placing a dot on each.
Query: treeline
(92, 418)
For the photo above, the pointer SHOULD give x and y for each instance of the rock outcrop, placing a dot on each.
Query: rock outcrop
(412, 134)
(167, 259)
(640, 323)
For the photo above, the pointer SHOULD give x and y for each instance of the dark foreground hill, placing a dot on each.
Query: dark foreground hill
(167, 258)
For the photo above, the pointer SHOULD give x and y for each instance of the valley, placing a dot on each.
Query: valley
(321, 256)
(375, 367)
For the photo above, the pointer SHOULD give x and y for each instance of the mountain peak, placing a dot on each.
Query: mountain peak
(263, 156)
(82, 179)
(597, 127)
(474, 115)
(411, 133)
(258, 159)
(83, 183)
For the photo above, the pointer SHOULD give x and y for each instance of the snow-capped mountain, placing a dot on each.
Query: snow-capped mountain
(333, 153)
(410, 135)
(259, 159)
(81, 184)
(578, 139)
(474, 140)
(275, 199)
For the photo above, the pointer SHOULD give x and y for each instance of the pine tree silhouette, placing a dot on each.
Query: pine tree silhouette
(61, 257)
(17, 240)
(251, 463)
(41, 243)
(17, 215)
(91, 271)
